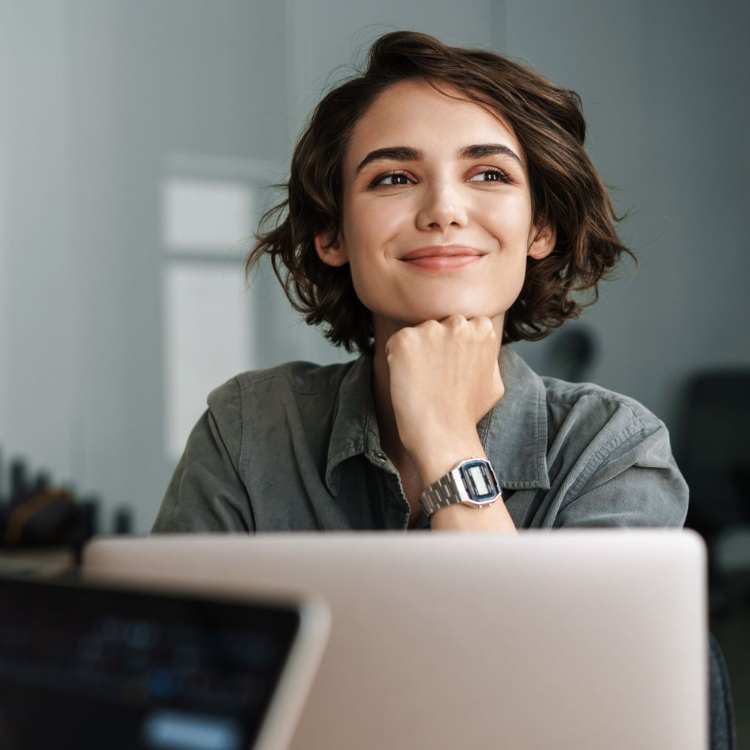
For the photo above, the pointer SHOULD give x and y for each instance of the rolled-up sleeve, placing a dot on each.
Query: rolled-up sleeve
(635, 483)
(206, 493)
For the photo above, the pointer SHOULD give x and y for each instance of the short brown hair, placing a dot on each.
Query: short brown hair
(566, 190)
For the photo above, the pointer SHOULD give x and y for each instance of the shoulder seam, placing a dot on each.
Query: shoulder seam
(241, 457)
(211, 410)
(604, 396)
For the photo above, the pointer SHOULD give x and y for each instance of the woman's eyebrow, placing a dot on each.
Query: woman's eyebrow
(408, 153)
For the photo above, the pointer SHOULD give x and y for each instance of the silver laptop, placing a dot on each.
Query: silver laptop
(580, 639)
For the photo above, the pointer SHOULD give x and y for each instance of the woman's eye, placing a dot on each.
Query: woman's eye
(392, 176)
(396, 179)
(494, 175)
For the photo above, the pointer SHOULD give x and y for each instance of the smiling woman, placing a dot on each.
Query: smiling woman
(543, 120)
(440, 206)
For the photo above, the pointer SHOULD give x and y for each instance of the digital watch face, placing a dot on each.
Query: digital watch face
(480, 483)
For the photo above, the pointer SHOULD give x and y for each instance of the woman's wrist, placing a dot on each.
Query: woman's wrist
(434, 460)
(465, 517)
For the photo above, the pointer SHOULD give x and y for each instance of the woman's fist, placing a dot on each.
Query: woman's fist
(444, 377)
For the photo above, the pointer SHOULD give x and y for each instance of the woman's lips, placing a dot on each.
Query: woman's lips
(444, 262)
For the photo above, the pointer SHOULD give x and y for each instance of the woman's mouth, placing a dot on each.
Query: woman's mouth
(444, 262)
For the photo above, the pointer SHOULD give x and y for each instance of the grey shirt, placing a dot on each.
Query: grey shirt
(296, 448)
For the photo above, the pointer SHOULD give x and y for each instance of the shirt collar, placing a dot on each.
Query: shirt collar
(513, 433)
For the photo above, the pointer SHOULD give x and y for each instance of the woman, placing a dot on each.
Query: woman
(477, 163)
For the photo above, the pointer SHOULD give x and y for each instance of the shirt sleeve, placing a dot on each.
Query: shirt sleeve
(636, 482)
(206, 493)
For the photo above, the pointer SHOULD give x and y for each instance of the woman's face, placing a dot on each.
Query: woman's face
(455, 175)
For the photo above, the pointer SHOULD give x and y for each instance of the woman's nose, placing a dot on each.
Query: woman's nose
(441, 206)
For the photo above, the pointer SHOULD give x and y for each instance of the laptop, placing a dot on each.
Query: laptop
(87, 667)
(584, 639)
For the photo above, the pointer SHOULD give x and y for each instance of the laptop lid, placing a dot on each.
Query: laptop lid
(90, 667)
(582, 639)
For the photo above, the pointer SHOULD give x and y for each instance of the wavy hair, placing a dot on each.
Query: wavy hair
(566, 189)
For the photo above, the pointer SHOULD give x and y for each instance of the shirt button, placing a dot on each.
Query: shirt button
(380, 455)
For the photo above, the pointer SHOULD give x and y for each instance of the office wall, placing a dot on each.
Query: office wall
(105, 99)
(665, 92)
(38, 361)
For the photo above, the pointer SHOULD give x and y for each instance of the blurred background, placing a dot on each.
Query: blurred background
(138, 141)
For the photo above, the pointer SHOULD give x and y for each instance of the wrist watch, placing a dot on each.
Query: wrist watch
(471, 481)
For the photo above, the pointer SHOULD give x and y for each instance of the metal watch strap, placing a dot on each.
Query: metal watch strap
(438, 495)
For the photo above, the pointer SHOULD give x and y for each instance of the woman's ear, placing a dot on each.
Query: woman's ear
(331, 250)
(542, 241)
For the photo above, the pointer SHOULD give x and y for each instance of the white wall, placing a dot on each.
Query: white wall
(39, 356)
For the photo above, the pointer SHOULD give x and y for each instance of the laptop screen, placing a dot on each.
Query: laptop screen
(89, 667)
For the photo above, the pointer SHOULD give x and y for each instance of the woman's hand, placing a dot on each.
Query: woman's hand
(444, 377)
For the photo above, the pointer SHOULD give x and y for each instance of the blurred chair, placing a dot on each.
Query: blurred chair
(714, 457)
(722, 728)
(572, 353)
